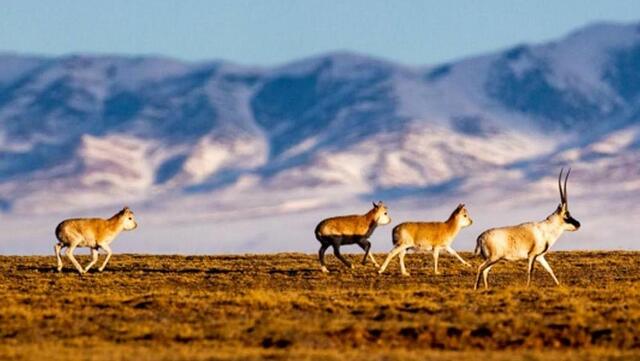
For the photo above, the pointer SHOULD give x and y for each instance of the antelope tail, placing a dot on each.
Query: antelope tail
(318, 233)
(396, 235)
(479, 249)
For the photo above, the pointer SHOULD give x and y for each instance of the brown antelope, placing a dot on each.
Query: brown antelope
(529, 241)
(428, 236)
(344, 230)
(94, 233)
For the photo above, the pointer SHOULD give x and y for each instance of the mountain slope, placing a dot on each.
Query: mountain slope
(81, 133)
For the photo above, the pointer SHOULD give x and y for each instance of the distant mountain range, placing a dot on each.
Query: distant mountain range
(221, 144)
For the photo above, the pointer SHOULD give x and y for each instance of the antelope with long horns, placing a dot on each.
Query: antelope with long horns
(529, 241)
(428, 236)
(354, 229)
(94, 233)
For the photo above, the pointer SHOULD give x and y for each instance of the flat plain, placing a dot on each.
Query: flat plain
(281, 306)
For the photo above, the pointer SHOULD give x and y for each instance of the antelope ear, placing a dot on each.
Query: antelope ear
(374, 205)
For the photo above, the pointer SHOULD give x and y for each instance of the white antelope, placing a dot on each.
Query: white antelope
(428, 236)
(529, 241)
(94, 233)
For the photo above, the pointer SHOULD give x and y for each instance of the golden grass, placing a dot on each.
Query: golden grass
(282, 307)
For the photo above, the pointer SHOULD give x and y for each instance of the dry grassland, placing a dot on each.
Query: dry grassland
(282, 307)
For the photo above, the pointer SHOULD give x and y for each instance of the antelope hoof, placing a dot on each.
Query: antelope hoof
(380, 271)
(59, 269)
(100, 269)
(467, 264)
(406, 274)
(324, 269)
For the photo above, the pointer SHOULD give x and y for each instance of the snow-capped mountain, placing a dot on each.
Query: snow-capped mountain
(228, 154)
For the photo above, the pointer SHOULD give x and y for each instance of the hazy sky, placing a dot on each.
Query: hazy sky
(269, 32)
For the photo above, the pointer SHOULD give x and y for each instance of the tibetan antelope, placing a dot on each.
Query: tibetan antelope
(428, 236)
(94, 233)
(344, 230)
(529, 241)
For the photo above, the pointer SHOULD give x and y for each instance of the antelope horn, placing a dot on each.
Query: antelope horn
(566, 197)
(562, 197)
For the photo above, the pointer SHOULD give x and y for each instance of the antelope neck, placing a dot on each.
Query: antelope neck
(453, 224)
(116, 220)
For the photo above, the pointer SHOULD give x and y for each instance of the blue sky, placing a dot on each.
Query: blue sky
(265, 32)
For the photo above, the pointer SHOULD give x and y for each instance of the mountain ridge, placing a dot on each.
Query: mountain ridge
(82, 133)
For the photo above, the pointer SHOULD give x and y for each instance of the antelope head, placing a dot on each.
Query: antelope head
(381, 213)
(129, 222)
(562, 212)
(461, 215)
